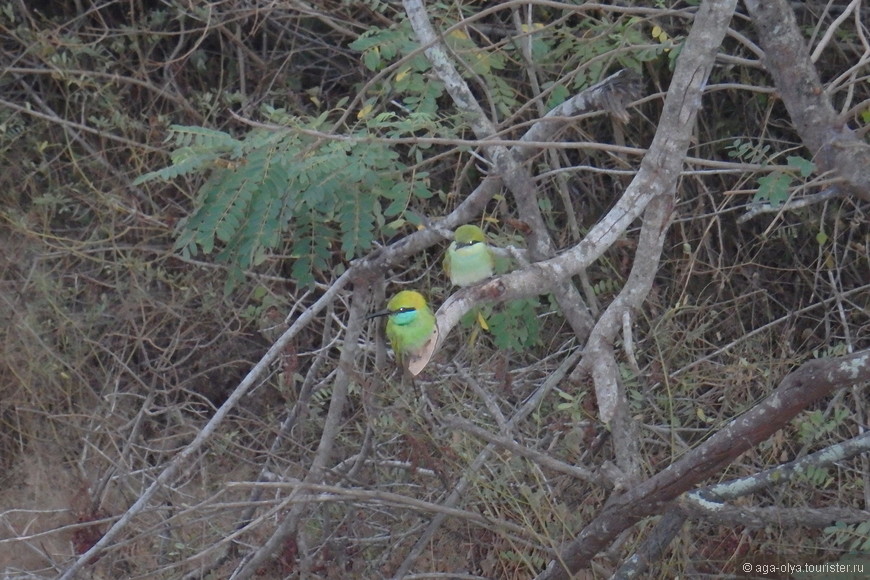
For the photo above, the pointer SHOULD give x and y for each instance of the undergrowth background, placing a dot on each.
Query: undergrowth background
(123, 326)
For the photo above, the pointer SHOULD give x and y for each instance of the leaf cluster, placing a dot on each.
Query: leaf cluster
(277, 185)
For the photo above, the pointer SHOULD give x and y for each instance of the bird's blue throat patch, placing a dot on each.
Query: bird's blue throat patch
(404, 317)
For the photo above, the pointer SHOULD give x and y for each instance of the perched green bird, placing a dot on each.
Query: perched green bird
(469, 259)
(410, 324)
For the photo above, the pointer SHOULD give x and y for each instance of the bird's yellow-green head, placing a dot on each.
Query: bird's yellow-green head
(469, 258)
(410, 323)
(468, 235)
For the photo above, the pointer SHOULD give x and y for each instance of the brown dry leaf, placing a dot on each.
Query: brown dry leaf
(417, 361)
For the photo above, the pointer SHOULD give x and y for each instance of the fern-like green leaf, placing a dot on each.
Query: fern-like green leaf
(196, 149)
(310, 248)
(279, 188)
(356, 223)
(189, 164)
(203, 138)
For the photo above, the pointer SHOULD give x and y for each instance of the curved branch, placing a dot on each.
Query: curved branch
(517, 178)
(658, 175)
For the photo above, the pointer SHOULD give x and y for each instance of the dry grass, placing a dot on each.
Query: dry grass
(116, 351)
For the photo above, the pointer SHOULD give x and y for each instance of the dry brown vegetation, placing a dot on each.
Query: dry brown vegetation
(118, 349)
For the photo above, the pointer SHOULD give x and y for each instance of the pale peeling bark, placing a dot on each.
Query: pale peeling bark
(833, 145)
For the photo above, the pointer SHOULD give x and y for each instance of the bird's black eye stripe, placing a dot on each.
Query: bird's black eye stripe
(405, 309)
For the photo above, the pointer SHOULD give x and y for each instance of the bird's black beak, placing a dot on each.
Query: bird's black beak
(377, 314)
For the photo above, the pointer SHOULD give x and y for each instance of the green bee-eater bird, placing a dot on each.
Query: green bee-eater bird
(469, 259)
(410, 324)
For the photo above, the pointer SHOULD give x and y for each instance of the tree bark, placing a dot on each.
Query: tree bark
(833, 145)
(810, 382)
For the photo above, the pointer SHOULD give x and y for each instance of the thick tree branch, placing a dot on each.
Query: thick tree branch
(653, 546)
(630, 298)
(599, 356)
(810, 382)
(728, 490)
(705, 503)
(783, 518)
(833, 145)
